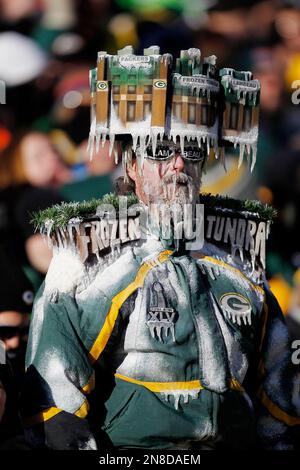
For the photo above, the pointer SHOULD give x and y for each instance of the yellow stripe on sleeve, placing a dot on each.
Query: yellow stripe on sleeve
(276, 411)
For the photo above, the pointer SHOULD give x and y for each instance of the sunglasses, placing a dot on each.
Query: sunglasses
(8, 332)
(164, 153)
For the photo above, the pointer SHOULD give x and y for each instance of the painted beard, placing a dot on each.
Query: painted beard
(174, 189)
(168, 206)
(178, 189)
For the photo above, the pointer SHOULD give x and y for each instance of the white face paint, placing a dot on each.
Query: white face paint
(175, 180)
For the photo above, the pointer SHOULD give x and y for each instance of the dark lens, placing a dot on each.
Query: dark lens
(195, 154)
(162, 153)
(7, 332)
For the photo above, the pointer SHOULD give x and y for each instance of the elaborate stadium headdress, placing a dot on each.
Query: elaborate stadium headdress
(142, 100)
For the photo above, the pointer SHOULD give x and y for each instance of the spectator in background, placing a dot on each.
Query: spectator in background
(70, 119)
(19, 15)
(5, 378)
(22, 66)
(272, 105)
(98, 175)
(41, 165)
(11, 432)
(2, 398)
(30, 174)
(16, 299)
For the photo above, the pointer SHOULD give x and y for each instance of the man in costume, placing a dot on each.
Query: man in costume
(155, 327)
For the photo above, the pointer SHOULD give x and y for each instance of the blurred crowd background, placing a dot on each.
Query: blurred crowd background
(46, 50)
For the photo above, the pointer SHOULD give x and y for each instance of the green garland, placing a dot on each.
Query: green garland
(60, 214)
(249, 205)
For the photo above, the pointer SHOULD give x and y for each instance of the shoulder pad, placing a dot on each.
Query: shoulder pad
(236, 232)
(92, 230)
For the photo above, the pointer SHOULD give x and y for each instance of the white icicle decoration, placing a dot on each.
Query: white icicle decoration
(203, 135)
(97, 133)
(103, 139)
(63, 236)
(97, 142)
(178, 394)
(111, 144)
(212, 271)
(134, 141)
(54, 296)
(48, 226)
(161, 328)
(116, 154)
(90, 146)
(234, 249)
(59, 240)
(252, 256)
(203, 270)
(156, 133)
(223, 158)
(239, 317)
(246, 141)
(140, 161)
(124, 165)
(241, 156)
(70, 232)
(254, 153)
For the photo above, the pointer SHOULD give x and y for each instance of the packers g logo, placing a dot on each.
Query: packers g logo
(159, 84)
(237, 308)
(101, 86)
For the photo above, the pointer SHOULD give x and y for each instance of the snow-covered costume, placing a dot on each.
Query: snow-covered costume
(144, 343)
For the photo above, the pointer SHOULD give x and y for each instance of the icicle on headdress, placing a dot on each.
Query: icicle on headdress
(240, 117)
(142, 98)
